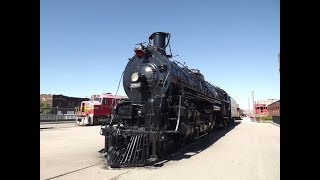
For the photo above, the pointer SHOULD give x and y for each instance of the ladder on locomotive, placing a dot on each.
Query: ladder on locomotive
(177, 119)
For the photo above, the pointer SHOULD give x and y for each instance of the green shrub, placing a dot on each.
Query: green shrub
(266, 118)
(44, 108)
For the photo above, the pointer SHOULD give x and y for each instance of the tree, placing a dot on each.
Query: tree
(44, 108)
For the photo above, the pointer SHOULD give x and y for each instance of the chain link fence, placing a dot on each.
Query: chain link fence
(58, 114)
(276, 119)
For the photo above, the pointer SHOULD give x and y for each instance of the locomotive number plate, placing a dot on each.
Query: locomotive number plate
(135, 85)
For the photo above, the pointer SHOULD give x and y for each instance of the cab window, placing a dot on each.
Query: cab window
(105, 101)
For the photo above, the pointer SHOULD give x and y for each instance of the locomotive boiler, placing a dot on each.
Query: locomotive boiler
(168, 104)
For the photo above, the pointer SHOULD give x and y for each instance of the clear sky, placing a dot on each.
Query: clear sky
(85, 44)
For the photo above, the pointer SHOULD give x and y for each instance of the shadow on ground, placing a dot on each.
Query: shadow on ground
(197, 146)
(45, 128)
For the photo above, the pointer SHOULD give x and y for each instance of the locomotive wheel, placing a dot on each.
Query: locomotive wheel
(211, 128)
(162, 148)
(94, 121)
(91, 121)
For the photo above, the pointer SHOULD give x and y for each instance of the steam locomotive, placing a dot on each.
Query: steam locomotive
(168, 104)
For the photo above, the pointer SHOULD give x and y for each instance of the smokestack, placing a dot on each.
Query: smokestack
(159, 40)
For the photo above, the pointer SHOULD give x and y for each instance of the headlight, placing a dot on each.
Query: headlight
(134, 77)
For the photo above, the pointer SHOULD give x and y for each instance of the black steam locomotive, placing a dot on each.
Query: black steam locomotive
(168, 104)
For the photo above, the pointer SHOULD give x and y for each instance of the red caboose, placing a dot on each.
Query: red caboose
(98, 109)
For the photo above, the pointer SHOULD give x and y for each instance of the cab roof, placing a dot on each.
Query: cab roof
(108, 95)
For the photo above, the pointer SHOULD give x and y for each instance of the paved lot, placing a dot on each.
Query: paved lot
(248, 150)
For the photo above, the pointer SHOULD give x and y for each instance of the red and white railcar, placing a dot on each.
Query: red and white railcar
(98, 109)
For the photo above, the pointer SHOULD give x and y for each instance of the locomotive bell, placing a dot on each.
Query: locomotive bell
(140, 51)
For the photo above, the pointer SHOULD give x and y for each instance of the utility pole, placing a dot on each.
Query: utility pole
(248, 106)
(279, 61)
(57, 116)
(254, 112)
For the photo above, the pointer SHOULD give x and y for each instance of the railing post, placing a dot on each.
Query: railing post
(57, 117)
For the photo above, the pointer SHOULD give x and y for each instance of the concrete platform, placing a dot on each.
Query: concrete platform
(249, 150)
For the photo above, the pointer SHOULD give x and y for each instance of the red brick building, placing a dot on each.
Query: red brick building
(274, 108)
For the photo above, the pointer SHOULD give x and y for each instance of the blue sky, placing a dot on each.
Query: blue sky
(85, 45)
